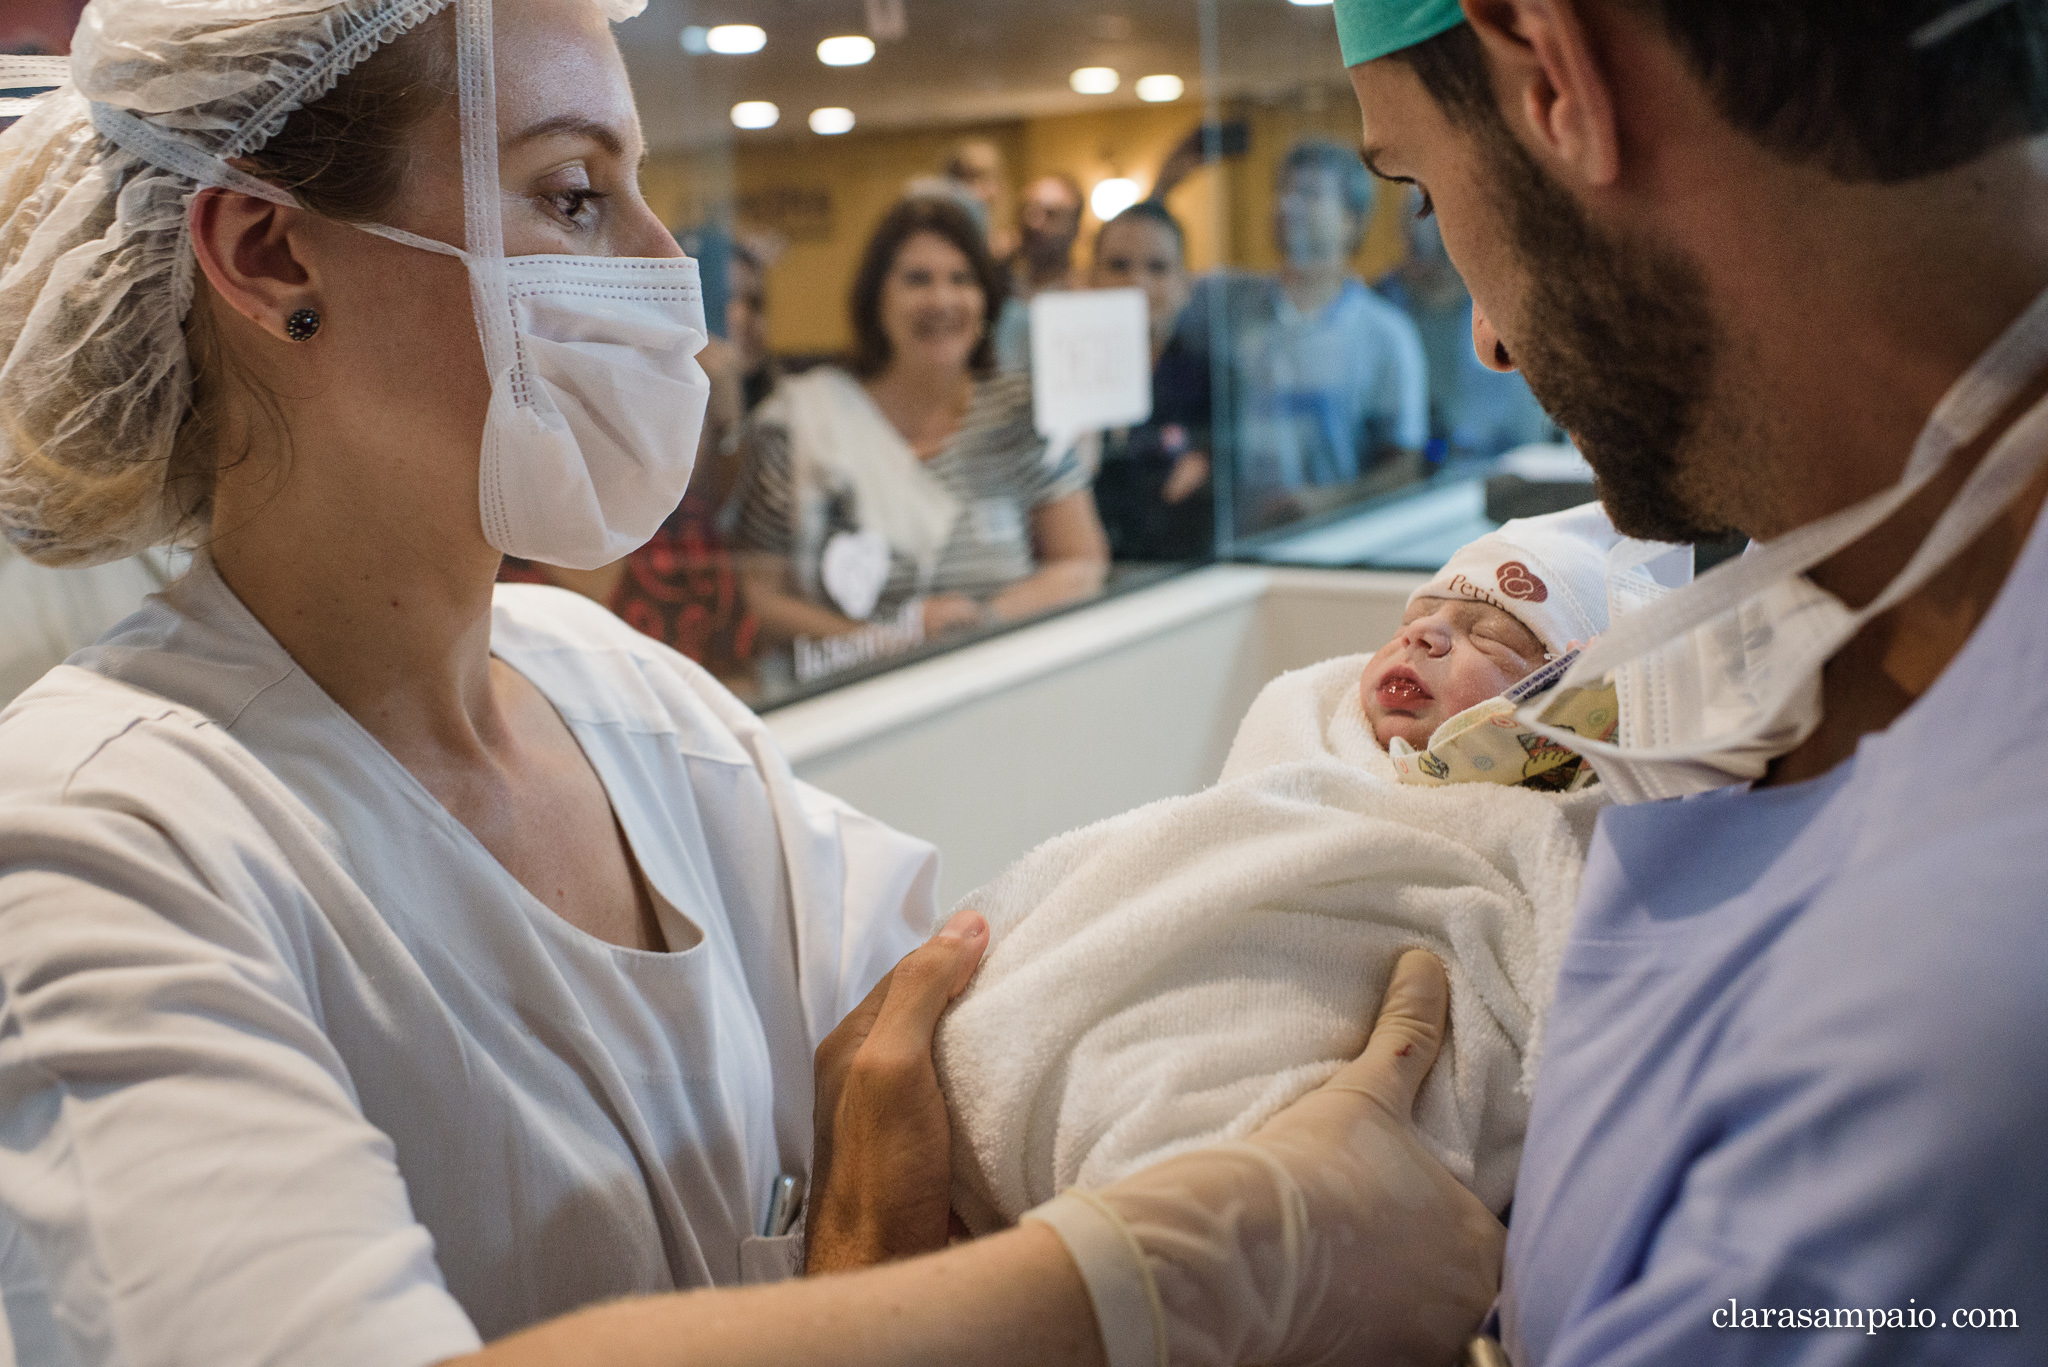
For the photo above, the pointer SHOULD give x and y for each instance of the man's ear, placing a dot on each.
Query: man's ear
(1546, 65)
(246, 247)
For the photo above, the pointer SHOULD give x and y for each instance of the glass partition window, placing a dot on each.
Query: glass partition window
(902, 210)
(886, 198)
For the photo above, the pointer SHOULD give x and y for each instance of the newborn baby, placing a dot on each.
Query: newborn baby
(1172, 977)
(1450, 654)
(1484, 635)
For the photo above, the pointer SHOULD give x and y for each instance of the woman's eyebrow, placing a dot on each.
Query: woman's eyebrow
(574, 125)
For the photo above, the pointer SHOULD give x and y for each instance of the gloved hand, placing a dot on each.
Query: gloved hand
(1331, 1235)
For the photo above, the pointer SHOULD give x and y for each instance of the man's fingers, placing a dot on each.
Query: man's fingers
(1407, 1036)
(920, 987)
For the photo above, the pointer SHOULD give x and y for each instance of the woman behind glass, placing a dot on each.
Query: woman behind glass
(909, 492)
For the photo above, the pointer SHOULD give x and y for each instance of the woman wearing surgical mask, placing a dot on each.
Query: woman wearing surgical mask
(907, 495)
(388, 964)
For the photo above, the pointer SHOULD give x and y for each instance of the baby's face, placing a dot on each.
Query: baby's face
(1449, 654)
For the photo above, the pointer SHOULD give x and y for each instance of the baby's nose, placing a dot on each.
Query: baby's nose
(1431, 636)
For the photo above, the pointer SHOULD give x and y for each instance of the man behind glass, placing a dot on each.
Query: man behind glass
(1328, 392)
(1153, 487)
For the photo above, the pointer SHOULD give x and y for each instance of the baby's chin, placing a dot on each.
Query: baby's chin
(1387, 725)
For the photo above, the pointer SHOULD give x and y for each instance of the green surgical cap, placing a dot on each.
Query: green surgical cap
(1372, 28)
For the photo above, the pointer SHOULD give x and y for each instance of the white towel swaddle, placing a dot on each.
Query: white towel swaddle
(1172, 977)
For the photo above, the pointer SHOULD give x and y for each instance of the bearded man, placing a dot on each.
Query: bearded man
(1778, 267)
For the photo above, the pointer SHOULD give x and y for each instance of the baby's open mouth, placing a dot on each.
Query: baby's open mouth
(1401, 691)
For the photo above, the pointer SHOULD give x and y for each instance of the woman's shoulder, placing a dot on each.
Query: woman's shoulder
(1000, 413)
(72, 717)
(154, 700)
(98, 775)
(1004, 393)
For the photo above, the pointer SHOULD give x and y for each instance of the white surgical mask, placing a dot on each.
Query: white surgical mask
(593, 424)
(1718, 679)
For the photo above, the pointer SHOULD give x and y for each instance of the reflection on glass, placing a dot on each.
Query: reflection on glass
(1474, 409)
(1325, 388)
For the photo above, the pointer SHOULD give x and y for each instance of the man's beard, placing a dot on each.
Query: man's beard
(1618, 346)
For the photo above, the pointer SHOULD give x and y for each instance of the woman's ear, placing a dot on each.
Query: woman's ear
(1545, 63)
(246, 247)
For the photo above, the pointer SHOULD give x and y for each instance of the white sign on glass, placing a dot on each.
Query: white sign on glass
(1091, 364)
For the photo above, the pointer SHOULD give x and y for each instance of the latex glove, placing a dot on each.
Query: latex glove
(882, 1167)
(1331, 1235)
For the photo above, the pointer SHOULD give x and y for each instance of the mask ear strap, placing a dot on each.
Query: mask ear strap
(482, 208)
(406, 239)
(1970, 404)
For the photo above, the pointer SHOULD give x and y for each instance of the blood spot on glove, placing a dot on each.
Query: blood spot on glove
(1516, 581)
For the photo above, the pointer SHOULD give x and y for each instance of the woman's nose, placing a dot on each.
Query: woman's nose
(641, 232)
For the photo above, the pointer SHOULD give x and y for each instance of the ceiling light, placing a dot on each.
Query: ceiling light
(1111, 197)
(1159, 89)
(754, 114)
(735, 40)
(1308, 2)
(1094, 80)
(852, 49)
(695, 38)
(831, 120)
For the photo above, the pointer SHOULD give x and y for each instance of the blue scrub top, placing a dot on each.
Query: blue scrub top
(1798, 1060)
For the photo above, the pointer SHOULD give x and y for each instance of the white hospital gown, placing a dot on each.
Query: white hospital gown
(292, 1070)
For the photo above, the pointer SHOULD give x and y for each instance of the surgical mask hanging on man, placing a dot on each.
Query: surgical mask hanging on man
(1719, 679)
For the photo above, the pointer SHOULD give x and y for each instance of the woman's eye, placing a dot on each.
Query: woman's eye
(574, 205)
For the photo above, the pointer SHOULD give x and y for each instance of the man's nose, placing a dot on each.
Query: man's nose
(1486, 343)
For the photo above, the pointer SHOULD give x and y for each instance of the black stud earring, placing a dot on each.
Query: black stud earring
(301, 324)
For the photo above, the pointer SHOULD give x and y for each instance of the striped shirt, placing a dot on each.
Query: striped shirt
(994, 465)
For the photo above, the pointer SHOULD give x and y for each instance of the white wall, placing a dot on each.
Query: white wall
(995, 747)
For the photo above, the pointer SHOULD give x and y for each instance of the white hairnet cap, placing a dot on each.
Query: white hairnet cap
(96, 268)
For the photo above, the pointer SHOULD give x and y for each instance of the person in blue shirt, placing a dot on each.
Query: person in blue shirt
(1767, 263)
(1327, 396)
